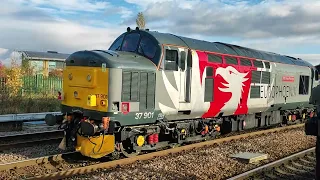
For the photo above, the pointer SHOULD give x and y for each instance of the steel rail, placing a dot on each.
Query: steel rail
(34, 161)
(27, 139)
(269, 166)
(148, 156)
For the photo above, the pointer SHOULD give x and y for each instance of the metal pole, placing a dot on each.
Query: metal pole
(318, 159)
(317, 173)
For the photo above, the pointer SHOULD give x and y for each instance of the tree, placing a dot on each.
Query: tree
(2, 70)
(14, 78)
(141, 23)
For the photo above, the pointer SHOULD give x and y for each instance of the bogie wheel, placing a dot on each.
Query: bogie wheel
(115, 155)
(127, 149)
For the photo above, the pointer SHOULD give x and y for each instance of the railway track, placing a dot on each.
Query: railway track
(297, 166)
(29, 139)
(56, 167)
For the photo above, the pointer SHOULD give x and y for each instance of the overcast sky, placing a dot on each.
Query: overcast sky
(287, 27)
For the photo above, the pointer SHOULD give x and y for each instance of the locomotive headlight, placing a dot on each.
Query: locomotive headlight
(70, 76)
(103, 102)
(89, 77)
(75, 94)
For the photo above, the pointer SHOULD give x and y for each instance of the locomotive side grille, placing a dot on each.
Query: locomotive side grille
(265, 78)
(130, 86)
(134, 86)
(139, 87)
(255, 92)
(256, 76)
(151, 90)
(147, 90)
(143, 90)
(126, 77)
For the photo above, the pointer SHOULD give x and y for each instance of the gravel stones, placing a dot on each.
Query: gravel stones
(213, 162)
(18, 154)
(31, 128)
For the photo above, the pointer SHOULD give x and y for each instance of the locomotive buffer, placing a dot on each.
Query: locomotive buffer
(312, 126)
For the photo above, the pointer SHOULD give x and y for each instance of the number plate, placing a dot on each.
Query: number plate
(144, 115)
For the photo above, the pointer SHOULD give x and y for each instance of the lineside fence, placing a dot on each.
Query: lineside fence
(36, 84)
(26, 117)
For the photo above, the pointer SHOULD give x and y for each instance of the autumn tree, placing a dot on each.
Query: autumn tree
(14, 78)
(141, 23)
(56, 73)
(2, 70)
(26, 68)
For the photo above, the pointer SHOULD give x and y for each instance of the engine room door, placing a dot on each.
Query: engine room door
(185, 77)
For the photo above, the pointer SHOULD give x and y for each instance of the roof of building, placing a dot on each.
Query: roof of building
(49, 55)
(219, 47)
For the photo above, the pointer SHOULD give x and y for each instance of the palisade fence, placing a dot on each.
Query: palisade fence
(37, 84)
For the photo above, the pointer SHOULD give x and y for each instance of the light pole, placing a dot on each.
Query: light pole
(312, 126)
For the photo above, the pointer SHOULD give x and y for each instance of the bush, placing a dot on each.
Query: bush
(14, 79)
(30, 104)
(13, 100)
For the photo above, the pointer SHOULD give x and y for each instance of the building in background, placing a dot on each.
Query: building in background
(44, 62)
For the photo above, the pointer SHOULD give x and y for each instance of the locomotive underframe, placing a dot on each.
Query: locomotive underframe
(131, 140)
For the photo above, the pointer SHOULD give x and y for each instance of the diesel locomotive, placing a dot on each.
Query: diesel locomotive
(153, 90)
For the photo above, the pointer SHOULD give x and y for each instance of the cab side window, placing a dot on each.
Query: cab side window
(316, 75)
(304, 85)
(171, 60)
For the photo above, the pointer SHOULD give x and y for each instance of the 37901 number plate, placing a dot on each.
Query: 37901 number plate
(144, 115)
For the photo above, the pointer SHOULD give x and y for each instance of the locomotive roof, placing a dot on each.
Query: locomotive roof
(219, 47)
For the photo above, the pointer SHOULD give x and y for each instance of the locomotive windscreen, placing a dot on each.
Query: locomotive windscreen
(137, 43)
